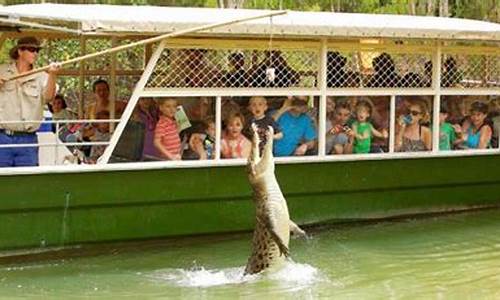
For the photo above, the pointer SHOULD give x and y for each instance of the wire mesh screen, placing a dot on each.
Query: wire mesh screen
(347, 69)
(470, 71)
(234, 68)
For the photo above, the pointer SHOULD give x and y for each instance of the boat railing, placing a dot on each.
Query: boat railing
(57, 143)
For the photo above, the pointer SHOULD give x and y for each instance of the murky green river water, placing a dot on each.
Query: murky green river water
(444, 257)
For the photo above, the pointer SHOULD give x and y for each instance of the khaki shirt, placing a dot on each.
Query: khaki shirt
(22, 99)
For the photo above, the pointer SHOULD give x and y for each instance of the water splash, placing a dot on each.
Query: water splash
(291, 273)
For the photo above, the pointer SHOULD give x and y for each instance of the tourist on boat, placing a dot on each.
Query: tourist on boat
(384, 72)
(229, 108)
(197, 72)
(412, 135)
(476, 131)
(147, 113)
(427, 77)
(412, 80)
(258, 107)
(335, 64)
(451, 76)
(339, 136)
(274, 71)
(59, 110)
(100, 87)
(209, 139)
(299, 134)
(23, 99)
(234, 144)
(447, 132)
(198, 109)
(166, 137)
(101, 134)
(237, 77)
(200, 140)
(363, 129)
(457, 109)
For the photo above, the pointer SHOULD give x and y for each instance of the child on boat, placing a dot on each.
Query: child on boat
(234, 144)
(363, 129)
(447, 131)
(166, 137)
(209, 140)
(258, 107)
(101, 134)
(201, 141)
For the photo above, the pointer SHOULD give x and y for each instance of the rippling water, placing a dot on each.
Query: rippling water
(452, 256)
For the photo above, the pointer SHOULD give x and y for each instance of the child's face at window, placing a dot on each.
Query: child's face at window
(57, 105)
(168, 108)
(103, 127)
(234, 127)
(258, 107)
(362, 114)
(211, 129)
(443, 117)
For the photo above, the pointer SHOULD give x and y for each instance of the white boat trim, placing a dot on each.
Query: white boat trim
(161, 165)
(151, 19)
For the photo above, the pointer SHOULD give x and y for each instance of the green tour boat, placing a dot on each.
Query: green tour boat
(427, 89)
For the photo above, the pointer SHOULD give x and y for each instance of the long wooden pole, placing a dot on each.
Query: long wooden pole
(147, 41)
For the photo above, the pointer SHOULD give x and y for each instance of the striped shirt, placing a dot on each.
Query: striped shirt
(167, 131)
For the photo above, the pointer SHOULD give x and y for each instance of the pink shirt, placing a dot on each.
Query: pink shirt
(235, 149)
(167, 131)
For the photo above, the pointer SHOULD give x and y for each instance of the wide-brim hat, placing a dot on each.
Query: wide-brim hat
(28, 41)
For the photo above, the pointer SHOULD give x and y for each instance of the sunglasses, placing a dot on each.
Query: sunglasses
(30, 49)
(415, 113)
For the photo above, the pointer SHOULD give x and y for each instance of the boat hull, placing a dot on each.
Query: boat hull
(52, 210)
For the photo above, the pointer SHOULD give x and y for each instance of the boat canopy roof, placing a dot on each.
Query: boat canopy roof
(151, 19)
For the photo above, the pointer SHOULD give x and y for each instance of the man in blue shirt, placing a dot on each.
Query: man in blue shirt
(299, 134)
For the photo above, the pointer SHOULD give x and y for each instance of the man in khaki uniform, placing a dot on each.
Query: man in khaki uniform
(23, 99)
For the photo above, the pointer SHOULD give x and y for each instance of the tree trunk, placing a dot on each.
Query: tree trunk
(443, 8)
(430, 7)
(232, 3)
(412, 7)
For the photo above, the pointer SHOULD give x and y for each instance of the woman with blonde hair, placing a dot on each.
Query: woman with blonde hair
(412, 135)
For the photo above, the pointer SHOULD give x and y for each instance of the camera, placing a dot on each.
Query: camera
(407, 119)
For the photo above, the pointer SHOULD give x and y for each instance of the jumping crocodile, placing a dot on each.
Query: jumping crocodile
(273, 225)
